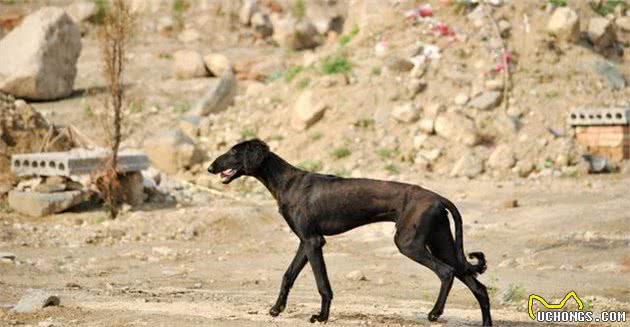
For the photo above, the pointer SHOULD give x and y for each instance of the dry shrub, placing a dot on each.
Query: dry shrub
(114, 36)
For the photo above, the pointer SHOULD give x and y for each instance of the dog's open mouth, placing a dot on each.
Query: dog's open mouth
(227, 174)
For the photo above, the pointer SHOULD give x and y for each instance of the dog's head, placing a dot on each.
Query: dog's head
(242, 159)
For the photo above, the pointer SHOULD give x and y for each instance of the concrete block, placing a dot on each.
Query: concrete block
(599, 116)
(74, 162)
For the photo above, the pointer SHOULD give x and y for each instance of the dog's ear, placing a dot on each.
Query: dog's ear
(256, 153)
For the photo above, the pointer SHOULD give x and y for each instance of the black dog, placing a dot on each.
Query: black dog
(315, 205)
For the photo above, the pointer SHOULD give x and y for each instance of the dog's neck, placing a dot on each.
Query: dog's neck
(275, 173)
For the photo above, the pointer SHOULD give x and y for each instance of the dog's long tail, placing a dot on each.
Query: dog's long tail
(470, 268)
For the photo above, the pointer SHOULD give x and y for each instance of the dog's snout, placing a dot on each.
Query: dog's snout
(211, 168)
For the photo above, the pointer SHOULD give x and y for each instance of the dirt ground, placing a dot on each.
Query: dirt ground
(221, 264)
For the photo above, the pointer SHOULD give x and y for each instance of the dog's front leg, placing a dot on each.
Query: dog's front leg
(299, 261)
(313, 247)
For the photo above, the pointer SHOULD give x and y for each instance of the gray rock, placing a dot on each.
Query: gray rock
(406, 113)
(486, 101)
(307, 111)
(188, 64)
(469, 165)
(38, 58)
(34, 300)
(36, 204)
(172, 151)
(610, 73)
(218, 97)
(564, 24)
(601, 32)
(458, 128)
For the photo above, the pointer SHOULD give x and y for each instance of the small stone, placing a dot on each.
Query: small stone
(601, 32)
(494, 85)
(427, 125)
(415, 86)
(502, 158)
(406, 113)
(34, 300)
(7, 256)
(461, 99)
(486, 101)
(307, 111)
(430, 155)
(189, 35)
(457, 128)
(508, 204)
(247, 11)
(356, 275)
(525, 167)
(165, 24)
(564, 24)
(398, 65)
(468, 166)
(504, 27)
(262, 25)
(188, 64)
(218, 64)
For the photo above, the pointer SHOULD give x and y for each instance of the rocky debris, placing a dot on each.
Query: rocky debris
(502, 158)
(623, 29)
(36, 204)
(509, 204)
(295, 34)
(461, 99)
(601, 32)
(457, 128)
(406, 113)
(188, 64)
(525, 167)
(564, 24)
(356, 275)
(248, 9)
(82, 11)
(427, 125)
(33, 64)
(415, 86)
(189, 35)
(52, 184)
(308, 110)
(218, 64)
(172, 151)
(468, 166)
(218, 97)
(486, 101)
(262, 25)
(35, 300)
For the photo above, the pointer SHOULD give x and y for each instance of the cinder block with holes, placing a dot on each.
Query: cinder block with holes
(75, 162)
(604, 131)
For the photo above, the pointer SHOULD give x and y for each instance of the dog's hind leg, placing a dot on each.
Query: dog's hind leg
(299, 261)
(481, 294)
(411, 240)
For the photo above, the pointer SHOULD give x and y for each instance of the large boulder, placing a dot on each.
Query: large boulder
(469, 165)
(502, 158)
(37, 204)
(295, 34)
(564, 24)
(172, 151)
(457, 128)
(218, 64)
(38, 58)
(218, 97)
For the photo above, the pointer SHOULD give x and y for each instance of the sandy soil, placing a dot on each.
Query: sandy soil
(221, 264)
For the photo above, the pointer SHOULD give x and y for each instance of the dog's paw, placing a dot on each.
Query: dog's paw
(275, 310)
(433, 316)
(315, 318)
